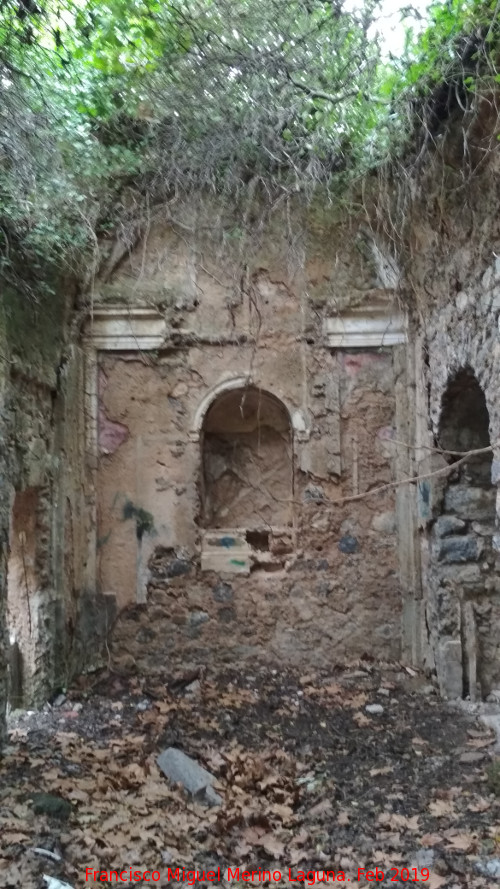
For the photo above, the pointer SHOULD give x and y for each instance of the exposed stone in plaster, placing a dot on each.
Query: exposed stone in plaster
(448, 524)
(470, 503)
(459, 549)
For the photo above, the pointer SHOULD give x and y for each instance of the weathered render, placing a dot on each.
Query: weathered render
(237, 432)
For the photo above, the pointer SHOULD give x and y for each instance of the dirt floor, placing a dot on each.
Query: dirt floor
(311, 781)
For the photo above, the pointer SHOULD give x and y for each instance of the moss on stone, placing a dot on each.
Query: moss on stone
(51, 805)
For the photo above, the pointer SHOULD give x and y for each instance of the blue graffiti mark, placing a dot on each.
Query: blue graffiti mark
(425, 491)
(424, 497)
(228, 542)
(348, 544)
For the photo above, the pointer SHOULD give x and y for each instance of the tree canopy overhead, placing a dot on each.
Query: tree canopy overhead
(278, 97)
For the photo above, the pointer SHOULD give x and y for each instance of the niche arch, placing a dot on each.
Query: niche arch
(298, 420)
(464, 420)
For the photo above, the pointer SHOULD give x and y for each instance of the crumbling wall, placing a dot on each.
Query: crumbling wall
(4, 530)
(296, 558)
(455, 276)
(43, 513)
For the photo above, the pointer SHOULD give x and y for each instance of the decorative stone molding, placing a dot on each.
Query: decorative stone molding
(119, 328)
(365, 329)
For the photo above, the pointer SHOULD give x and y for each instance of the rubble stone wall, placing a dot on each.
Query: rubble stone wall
(455, 275)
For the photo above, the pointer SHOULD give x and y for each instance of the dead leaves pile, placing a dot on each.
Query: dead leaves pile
(334, 794)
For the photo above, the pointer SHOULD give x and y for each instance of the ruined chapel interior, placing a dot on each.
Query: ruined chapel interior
(249, 444)
(298, 462)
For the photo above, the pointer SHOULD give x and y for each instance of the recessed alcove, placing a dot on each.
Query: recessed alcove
(247, 475)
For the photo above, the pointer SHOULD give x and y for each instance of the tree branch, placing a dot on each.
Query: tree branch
(319, 94)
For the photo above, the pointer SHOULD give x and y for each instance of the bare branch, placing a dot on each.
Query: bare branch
(319, 94)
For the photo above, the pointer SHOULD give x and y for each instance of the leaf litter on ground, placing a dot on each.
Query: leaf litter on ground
(309, 781)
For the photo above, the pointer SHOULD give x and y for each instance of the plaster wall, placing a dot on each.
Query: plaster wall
(330, 585)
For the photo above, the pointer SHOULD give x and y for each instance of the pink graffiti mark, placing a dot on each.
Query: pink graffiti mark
(355, 362)
(386, 433)
(110, 433)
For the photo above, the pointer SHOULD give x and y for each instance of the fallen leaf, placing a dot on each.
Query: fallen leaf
(435, 881)
(361, 720)
(253, 835)
(431, 839)
(465, 842)
(481, 805)
(441, 807)
(272, 845)
(479, 742)
(9, 838)
(472, 757)
(297, 855)
(322, 808)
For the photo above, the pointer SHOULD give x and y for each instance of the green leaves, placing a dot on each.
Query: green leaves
(285, 96)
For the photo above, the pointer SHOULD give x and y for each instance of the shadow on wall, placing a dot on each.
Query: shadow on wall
(464, 606)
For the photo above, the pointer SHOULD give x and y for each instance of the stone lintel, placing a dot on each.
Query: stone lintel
(120, 328)
(365, 329)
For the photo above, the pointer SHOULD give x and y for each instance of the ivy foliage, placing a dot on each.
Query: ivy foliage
(275, 97)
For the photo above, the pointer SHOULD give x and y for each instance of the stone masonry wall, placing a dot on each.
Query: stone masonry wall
(455, 274)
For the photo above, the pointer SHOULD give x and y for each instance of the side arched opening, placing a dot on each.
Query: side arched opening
(463, 564)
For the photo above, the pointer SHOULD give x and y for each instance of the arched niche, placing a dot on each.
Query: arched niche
(464, 422)
(247, 462)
